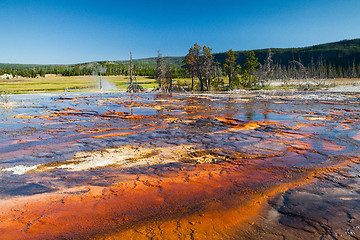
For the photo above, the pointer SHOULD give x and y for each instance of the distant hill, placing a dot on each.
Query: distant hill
(342, 53)
(174, 61)
(22, 66)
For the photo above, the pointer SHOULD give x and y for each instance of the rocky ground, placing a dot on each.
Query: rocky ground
(325, 209)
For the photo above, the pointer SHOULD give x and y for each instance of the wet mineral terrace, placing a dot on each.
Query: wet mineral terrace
(181, 166)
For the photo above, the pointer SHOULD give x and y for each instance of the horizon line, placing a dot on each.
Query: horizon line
(144, 58)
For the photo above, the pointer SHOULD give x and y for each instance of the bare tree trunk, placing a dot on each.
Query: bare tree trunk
(192, 83)
(201, 84)
(230, 81)
(171, 84)
(160, 70)
(131, 78)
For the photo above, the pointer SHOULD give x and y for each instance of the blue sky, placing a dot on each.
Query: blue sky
(75, 31)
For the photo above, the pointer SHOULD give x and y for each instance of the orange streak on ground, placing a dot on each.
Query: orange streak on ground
(229, 121)
(128, 133)
(236, 124)
(207, 200)
(175, 119)
(357, 136)
(318, 118)
(114, 135)
(71, 109)
(331, 146)
(23, 116)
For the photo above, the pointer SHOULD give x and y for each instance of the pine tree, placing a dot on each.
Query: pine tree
(206, 68)
(250, 67)
(229, 66)
(192, 62)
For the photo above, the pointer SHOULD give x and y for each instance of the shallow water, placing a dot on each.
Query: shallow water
(155, 165)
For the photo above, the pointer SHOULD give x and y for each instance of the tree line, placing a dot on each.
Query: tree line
(112, 69)
(200, 65)
(210, 71)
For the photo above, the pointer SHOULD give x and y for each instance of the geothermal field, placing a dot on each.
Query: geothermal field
(243, 165)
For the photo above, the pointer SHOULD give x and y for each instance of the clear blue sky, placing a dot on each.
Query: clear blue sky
(75, 31)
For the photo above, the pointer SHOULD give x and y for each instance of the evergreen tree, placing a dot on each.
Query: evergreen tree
(207, 68)
(229, 66)
(250, 67)
(218, 82)
(192, 62)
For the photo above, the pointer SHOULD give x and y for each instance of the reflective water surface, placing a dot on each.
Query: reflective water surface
(176, 166)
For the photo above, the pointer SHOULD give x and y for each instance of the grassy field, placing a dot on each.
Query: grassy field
(122, 82)
(53, 83)
(47, 84)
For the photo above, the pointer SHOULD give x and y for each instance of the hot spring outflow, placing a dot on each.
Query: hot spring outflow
(173, 165)
(102, 70)
(100, 83)
(104, 84)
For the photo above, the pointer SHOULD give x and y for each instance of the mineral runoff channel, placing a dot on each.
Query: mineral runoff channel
(180, 166)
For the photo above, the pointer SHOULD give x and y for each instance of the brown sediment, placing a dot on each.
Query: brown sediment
(202, 201)
(206, 201)
(207, 175)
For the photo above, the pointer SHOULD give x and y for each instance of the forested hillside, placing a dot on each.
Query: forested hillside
(342, 57)
(343, 53)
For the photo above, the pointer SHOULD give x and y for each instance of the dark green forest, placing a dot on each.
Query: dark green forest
(339, 54)
(338, 59)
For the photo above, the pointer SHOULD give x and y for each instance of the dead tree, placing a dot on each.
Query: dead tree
(168, 76)
(266, 70)
(131, 68)
(160, 71)
(133, 87)
(302, 72)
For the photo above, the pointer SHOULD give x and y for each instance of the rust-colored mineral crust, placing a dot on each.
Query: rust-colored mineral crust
(178, 166)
